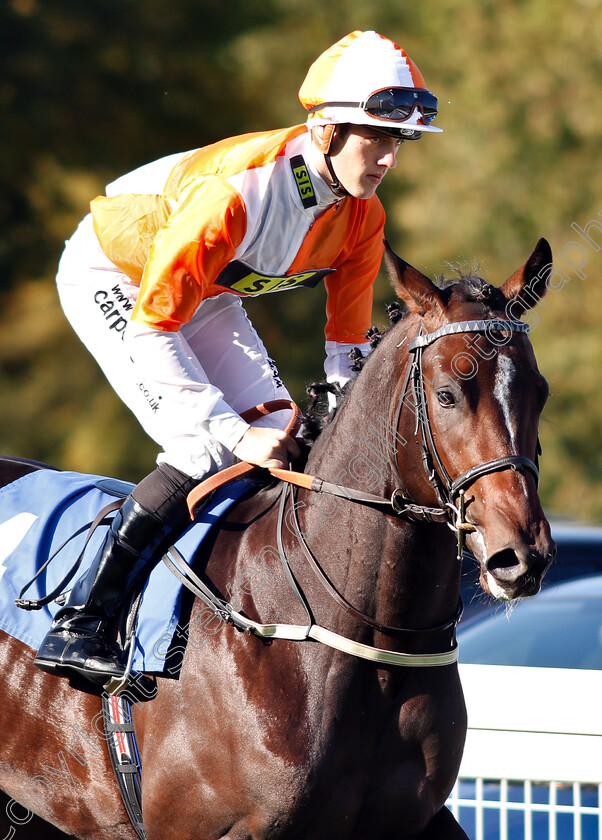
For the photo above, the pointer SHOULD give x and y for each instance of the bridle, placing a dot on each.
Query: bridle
(445, 488)
(448, 490)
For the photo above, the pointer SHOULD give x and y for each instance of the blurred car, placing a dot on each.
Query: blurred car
(532, 678)
(579, 554)
(559, 628)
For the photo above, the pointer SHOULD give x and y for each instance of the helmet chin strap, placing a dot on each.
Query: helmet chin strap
(335, 185)
(324, 144)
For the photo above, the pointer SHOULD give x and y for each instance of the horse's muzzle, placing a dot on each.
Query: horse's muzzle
(518, 572)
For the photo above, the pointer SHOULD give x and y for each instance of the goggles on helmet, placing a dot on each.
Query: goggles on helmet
(392, 104)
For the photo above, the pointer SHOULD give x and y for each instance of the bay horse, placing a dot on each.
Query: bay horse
(436, 442)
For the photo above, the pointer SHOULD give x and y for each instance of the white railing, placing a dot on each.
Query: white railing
(532, 766)
(526, 810)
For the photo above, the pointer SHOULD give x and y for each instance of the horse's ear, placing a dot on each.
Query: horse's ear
(528, 285)
(414, 288)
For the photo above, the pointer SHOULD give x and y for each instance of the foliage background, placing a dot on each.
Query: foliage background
(89, 90)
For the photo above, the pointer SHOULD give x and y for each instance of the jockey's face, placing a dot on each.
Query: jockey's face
(361, 159)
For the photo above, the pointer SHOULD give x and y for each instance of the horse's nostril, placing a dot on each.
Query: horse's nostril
(505, 559)
(510, 567)
(539, 563)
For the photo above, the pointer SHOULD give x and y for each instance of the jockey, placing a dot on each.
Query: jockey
(152, 283)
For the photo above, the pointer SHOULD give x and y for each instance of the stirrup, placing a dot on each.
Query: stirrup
(137, 685)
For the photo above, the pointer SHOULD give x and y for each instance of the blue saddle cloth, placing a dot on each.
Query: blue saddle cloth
(42, 510)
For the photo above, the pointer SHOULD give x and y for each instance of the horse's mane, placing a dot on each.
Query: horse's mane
(471, 286)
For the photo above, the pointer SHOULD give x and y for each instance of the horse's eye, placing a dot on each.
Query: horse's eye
(446, 399)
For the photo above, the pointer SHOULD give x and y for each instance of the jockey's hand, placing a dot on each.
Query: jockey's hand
(269, 448)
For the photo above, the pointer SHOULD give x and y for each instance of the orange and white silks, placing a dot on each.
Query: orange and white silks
(234, 217)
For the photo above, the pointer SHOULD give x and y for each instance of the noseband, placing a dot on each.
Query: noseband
(448, 490)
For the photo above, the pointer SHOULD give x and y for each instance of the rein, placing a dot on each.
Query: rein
(444, 629)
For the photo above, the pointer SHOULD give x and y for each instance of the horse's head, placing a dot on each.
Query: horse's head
(474, 394)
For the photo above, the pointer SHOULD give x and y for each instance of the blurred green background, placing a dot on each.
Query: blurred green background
(92, 89)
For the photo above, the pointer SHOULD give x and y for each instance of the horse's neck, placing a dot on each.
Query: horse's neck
(404, 572)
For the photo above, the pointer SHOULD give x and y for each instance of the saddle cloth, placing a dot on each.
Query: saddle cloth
(42, 510)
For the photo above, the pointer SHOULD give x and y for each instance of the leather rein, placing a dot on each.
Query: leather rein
(447, 491)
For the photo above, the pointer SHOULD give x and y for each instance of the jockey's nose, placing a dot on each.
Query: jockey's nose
(389, 156)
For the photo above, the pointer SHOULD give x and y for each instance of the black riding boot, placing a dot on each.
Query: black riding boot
(77, 643)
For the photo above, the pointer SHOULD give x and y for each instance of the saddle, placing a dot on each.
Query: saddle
(45, 520)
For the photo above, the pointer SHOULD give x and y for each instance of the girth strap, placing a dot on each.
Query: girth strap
(123, 753)
(100, 519)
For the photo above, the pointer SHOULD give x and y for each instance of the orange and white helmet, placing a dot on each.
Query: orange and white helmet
(366, 79)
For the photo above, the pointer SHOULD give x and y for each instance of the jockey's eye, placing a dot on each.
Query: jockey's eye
(446, 399)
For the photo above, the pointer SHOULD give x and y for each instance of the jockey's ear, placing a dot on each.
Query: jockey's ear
(415, 289)
(528, 284)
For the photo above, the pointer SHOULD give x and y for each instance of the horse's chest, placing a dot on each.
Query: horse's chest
(284, 759)
(382, 769)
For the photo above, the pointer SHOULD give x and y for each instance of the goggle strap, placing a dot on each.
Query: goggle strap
(361, 105)
(335, 105)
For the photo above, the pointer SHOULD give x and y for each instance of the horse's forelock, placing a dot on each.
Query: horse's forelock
(472, 288)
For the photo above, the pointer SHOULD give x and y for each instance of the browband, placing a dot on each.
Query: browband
(490, 325)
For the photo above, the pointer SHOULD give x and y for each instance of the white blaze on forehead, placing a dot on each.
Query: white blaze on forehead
(506, 371)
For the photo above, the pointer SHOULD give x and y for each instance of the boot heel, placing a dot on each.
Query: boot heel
(47, 666)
